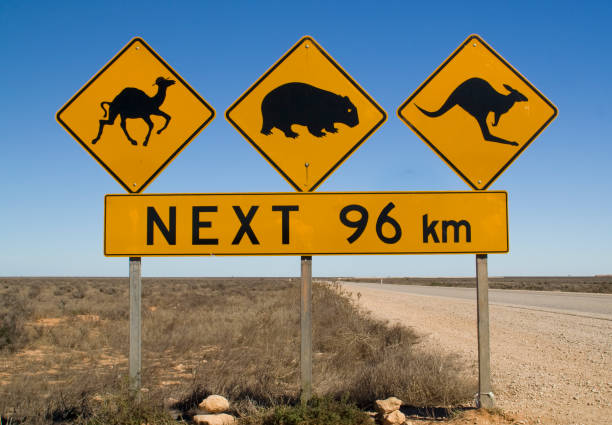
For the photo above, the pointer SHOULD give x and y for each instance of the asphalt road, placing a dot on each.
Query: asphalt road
(581, 304)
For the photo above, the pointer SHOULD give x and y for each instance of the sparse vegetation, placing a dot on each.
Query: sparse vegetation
(591, 284)
(121, 409)
(66, 360)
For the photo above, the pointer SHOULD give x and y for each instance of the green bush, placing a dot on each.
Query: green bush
(318, 411)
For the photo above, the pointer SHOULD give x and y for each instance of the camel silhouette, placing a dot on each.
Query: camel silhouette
(478, 98)
(134, 103)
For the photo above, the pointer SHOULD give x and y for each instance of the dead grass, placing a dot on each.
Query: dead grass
(65, 358)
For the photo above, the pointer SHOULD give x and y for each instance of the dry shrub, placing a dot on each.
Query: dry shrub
(85, 399)
(417, 377)
(31, 399)
(367, 359)
(122, 408)
(248, 333)
(14, 313)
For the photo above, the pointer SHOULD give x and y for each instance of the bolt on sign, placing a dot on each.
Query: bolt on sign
(477, 112)
(135, 115)
(306, 223)
(306, 115)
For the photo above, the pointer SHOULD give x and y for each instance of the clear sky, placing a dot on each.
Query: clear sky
(52, 190)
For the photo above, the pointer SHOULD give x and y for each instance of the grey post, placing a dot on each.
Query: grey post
(485, 393)
(306, 330)
(135, 324)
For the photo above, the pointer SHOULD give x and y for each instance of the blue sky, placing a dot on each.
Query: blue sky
(52, 191)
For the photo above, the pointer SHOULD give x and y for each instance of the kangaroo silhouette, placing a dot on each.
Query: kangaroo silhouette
(478, 98)
(303, 104)
(134, 103)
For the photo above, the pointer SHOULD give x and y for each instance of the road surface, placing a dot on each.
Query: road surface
(573, 303)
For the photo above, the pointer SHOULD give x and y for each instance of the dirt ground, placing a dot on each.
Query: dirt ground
(547, 368)
(473, 417)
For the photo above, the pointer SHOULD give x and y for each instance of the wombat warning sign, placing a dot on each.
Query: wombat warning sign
(306, 115)
(477, 112)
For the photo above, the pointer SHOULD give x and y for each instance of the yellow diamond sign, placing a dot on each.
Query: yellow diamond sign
(477, 112)
(135, 115)
(306, 115)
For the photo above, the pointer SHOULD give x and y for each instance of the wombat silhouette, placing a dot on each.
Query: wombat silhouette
(134, 103)
(478, 98)
(303, 104)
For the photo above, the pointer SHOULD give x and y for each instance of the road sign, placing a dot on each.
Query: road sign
(306, 115)
(477, 112)
(135, 115)
(306, 223)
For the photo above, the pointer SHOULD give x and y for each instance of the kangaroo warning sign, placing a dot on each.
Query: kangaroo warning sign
(306, 115)
(135, 115)
(306, 223)
(477, 112)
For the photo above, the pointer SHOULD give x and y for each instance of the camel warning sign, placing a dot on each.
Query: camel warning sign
(306, 115)
(135, 115)
(477, 112)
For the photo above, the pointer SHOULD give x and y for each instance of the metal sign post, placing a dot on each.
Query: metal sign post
(479, 81)
(485, 393)
(126, 87)
(135, 363)
(306, 330)
(306, 87)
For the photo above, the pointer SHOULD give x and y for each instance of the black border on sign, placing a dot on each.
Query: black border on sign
(265, 75)
(440, 154)
(95, 77)
(106, 197)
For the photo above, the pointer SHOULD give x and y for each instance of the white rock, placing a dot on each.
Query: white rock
(219, 419)
(389, 405)
(214, 404)
(394, 418)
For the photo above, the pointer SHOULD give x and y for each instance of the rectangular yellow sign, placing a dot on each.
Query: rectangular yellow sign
(306, 223)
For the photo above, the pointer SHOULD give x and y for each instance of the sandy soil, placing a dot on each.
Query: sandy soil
(547, 368)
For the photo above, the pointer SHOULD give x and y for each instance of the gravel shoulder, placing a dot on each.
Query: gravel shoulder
(547, 367)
